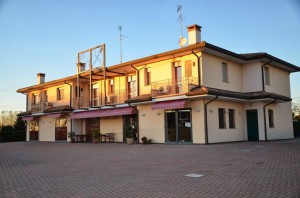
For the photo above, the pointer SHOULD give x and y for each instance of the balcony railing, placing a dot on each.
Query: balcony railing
(173, 86)
(41, 106)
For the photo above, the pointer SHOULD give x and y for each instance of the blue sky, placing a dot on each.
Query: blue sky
(45, 36)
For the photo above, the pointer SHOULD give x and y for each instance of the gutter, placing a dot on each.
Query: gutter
(262, 74)
(265, 121)
(199, 71)
(205, 118)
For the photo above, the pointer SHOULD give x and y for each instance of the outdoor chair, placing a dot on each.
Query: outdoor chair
(110, 137)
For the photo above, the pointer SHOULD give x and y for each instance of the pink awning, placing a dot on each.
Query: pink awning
(29, 118)
(104, 113)
(55, 115)
(173, 104)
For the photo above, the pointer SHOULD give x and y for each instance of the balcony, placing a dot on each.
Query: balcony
(112, 98)
(173, 86)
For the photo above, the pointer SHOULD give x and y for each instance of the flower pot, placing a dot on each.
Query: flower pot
(95, 140)
(129, 140)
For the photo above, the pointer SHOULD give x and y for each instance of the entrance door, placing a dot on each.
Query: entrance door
(252, 125)
(178, 126)
(33, 130)
(61, 129)
(92, 124)
(133, 121)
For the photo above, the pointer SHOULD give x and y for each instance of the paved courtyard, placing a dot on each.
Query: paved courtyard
(246, 169)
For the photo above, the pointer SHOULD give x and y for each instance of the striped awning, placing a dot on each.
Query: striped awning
(104, 113)
(173, 104)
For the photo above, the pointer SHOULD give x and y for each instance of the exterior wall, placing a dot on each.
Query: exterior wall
(225, 135)
(283, 124)
(46, 129)
(112, 125)
(252, 77)
(279, 82)
(212, 73)
(260, 117)
(163, 71)
(198, 127)
(151, 123)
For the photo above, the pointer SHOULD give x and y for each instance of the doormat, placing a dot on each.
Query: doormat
(193, 175)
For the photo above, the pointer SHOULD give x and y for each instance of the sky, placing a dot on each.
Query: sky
(39, 36)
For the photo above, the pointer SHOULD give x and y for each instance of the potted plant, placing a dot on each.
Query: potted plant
(96, 136)
(72, 135)
(129, 134)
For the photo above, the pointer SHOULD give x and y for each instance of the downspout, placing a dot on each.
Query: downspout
(138, 79)
(205, 118)
(262, 74)
(199, 71)
(70, 104)
(265, 120)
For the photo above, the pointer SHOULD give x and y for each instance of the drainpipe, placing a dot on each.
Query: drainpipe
(205, 118)
(265, 121)
(199, 71)
(70, 104)
(262, 74)
(138, 79)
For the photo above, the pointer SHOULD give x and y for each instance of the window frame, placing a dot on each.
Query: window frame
(267, 76)
(231, 113)
(225, 77)
(271, 118)
(60, 93)
(147, 76)
(222, 118)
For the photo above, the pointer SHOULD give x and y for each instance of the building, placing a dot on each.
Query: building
(196, 94)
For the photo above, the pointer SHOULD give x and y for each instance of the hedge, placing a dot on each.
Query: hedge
(12, 136)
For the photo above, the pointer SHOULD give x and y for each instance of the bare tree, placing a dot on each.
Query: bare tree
(296, 110)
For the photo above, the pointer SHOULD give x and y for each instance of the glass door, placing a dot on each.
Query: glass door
(178, 126)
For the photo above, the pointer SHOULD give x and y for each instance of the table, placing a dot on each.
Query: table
(81, 138)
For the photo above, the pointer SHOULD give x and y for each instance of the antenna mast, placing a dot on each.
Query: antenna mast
(182, 41)
(120, 38)
(180, 18)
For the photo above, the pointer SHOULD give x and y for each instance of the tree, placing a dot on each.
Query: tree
(296, 111)
(19, 125)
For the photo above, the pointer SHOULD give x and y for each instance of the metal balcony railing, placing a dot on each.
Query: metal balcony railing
(173, 86)
(41, 106)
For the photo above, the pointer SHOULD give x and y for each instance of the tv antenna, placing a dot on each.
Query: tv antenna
(182, 40)
(121, 37)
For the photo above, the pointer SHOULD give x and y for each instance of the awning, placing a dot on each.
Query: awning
(55, 115)
(29, 118)
(104, 113)
(173, 104)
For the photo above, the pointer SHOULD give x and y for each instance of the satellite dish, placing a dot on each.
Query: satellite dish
(182, 41)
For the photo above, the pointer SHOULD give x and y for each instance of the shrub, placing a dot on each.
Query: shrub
(12, 136)
(145, 140)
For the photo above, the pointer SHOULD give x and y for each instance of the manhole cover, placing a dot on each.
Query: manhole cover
(193, 175)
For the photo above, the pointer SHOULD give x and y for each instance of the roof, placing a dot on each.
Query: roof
(239, 95)
(127, 67)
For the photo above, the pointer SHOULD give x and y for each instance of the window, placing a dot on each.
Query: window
(34, 98)
(271, 118)
(111, 87)
(45, 96)
(225, 72)
(231, 118)
(76, 91)
(60, 93)
(267, 75)
(222, 123)
(147, 76)
(188, 68)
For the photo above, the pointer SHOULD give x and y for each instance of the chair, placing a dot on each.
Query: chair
(110, 137)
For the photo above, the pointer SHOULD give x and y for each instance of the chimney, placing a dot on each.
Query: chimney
(80, 67)
(41, 78)
(194, 34)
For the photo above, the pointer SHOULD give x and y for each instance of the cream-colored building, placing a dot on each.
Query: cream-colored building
(196, 94)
